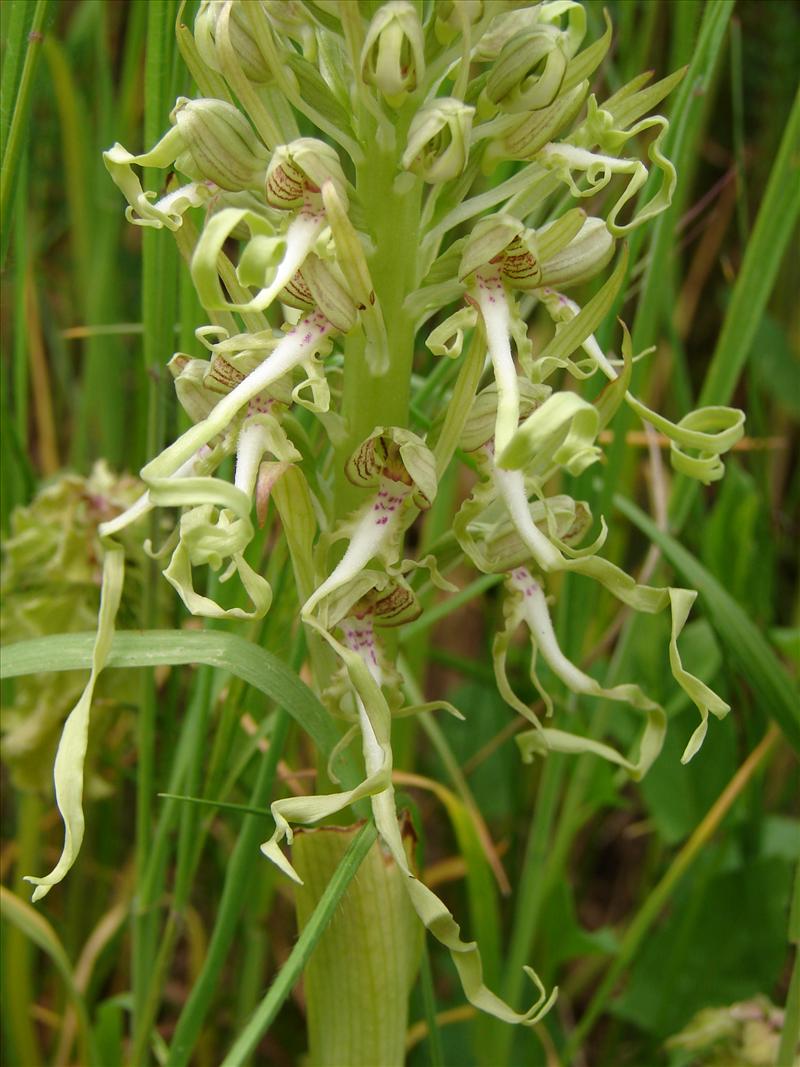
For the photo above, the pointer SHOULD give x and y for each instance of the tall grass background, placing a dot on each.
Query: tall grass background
(646, 903)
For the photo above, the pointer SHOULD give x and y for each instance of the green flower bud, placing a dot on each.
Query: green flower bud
(522, 137)
(528, 72)
(585, 255)
(504, 28)
(220, 145)
(438, 140)
(451, 15)
(393, 56)
(291, 18)
(297, 170)
(243, 43)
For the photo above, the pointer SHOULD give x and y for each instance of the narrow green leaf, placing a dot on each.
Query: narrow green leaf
(153, 648)
(221, 805)
(16, 27)
(773, 228)
(746, 646)
(14, 126)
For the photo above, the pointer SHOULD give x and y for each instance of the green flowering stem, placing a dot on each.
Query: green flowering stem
(393, 268)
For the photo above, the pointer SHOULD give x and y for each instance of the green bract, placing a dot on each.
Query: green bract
(317, 259)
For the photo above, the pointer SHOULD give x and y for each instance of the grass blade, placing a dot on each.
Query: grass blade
(155, 648)
(16, 27)
(774, 226)
(280, 989)
(435, 1050)
(682, 141)
(18, 126)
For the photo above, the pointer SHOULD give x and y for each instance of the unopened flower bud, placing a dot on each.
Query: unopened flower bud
(438, 140)
(451, 15)
(291, 18)
(528, 72)
(297, 171)
(252, 62)
(220, 145)
(316, 285)
(502, 29)
(393, 56)
(523, 136)
(585, 255)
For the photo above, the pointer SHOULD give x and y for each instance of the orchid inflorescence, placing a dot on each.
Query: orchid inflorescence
(354, 240)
